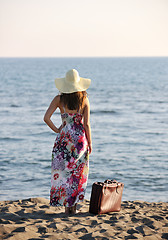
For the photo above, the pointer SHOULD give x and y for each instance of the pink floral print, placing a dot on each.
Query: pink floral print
(70, 163)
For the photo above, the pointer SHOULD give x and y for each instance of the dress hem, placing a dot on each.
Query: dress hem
(61, 205)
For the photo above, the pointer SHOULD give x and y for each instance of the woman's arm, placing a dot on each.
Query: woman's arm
(87, 127)
(53, 106)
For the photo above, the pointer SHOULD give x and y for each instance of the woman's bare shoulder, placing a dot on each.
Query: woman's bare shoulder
(86, 102)
(56, 99)
(86, 105)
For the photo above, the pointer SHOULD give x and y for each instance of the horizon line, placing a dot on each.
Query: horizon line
(83, 56)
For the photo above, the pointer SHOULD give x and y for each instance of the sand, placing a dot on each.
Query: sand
(33, 218)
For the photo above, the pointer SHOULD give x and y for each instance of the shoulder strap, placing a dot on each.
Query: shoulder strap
(80, 111)
(63, 108)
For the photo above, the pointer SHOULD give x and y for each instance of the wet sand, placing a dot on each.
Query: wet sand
(33, 218)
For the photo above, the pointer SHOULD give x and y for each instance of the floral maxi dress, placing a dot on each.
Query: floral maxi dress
(70, 162)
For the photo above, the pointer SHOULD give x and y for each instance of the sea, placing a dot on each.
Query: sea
(129, 122)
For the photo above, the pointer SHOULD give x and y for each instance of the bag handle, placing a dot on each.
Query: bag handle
(110, 182)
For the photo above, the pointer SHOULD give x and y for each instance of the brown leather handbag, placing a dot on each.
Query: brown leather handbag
(106, 197)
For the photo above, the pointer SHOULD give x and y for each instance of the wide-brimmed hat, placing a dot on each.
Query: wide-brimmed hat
(72, 82)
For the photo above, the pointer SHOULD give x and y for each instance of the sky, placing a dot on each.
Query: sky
(83, 28)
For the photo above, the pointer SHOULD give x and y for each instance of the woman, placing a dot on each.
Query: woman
(70, 155)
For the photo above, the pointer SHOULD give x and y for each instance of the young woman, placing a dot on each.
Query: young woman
(70, 155)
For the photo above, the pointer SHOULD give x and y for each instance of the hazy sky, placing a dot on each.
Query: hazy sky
(58, 28)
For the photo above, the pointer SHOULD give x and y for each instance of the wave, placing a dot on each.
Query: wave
(42, 134)
(10, 139)
(147, 111)
(14, 106)
(29, 180)
(103, 112)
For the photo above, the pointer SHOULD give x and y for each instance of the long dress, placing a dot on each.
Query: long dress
(70, 162)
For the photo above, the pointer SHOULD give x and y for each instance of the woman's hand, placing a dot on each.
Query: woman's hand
(90, 147)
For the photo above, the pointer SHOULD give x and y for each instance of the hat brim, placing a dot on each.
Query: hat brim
(65, 87)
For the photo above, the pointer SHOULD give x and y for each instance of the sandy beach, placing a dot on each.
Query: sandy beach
(33, 218)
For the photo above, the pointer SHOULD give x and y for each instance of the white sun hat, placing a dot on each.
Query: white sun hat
(72, 82)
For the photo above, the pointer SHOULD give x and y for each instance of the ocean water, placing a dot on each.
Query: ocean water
(129, 121)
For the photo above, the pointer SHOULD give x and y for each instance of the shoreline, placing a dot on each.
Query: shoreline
(34, 218)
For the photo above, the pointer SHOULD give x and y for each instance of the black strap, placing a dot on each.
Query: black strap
(110, 181)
